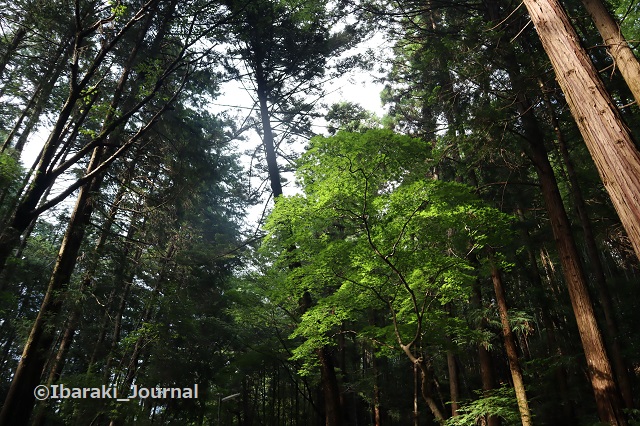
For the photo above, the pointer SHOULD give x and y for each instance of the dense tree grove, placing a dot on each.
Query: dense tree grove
(469, 258)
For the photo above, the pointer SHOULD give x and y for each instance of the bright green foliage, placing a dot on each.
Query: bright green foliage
(9, 169)
(373, 231)
(499, 402)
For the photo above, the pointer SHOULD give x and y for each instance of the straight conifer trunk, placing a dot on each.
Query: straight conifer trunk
(330, 389)
(616, 44)
(267, 135)
(510, 347)
(600, 372)
(594, 262)
(454, 391)
(608, 401)
(484, 357)
(20, 400)
(607, 137)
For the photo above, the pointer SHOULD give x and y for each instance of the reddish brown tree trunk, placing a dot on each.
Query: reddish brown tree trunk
(553, 346)
(600, 371)
(595, 264)
(376, 390)
(605, 134)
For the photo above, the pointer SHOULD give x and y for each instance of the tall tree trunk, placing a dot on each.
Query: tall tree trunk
(600, 371)
(19, 401)
(595, 263)
(454, 391)
(543, 303)
(59, 356)
(452, 368)
(87, 282)
(607, 137)
(18, 37)
(416, 412)
(44, 177)
(330, 389)
(376, 389)
(267, 134)
(256, 46)
(510, 347)
(616, 44)
(484, 357)
(601, 125)
(40, 340)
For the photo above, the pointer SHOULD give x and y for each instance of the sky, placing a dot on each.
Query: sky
(360, 87)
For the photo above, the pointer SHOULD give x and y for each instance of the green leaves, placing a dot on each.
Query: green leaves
(374, 231)
(499, 402)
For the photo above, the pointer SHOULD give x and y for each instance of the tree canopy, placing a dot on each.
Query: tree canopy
(470, 257)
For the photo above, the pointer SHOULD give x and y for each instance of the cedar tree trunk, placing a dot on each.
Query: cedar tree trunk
(607, 137)
(616, 44)
(510, 347)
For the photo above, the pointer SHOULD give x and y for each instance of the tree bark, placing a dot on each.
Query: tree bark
(484, 357)
(616, 44)
(267, 134)
(416, 412)
(376, 389)
(45, 176)
(454, 391)
(544, 304)
(595, 262)
(510, 347)
(607, 137)
(19, 401)
(330, 389)
(600, 371)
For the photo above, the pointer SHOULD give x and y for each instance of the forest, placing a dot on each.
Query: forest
(173, 255)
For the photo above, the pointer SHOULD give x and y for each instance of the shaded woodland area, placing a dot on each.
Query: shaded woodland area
(469, 258)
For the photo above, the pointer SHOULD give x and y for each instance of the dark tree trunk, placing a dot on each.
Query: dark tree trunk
(267, 134)
(550, 328)
(454, 391)
(19, 401)
(330, 389)
(600, 371)
(376, 390)
(39, 343)
(18, 37)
